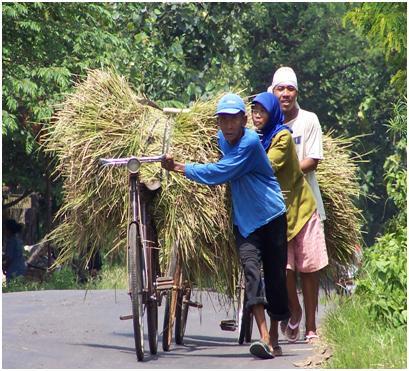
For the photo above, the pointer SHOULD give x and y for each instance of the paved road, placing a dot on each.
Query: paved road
(59, 329)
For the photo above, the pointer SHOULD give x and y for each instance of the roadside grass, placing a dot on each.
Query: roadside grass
(113, 277)
(359, 342)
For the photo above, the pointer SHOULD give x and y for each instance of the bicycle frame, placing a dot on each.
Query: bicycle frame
(143, 268)
(138, 210)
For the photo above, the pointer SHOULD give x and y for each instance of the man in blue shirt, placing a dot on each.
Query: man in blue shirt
(259, 214)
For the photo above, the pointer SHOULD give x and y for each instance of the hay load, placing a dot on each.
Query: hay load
(337, 176)
(103, 117)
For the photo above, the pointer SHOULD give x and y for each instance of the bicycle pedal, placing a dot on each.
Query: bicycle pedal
(228, 325)
(193, 304)
(125, 317)
(164, 283)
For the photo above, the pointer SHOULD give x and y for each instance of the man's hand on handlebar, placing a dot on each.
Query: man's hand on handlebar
(168, 163)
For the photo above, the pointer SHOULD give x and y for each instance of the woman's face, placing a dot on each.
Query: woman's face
(259, 115)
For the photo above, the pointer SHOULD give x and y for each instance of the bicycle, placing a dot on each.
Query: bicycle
(145, 282)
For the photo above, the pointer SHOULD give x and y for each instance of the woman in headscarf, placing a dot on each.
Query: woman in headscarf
(301, 207)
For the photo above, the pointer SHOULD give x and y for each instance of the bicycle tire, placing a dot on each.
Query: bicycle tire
(152, 311)
(136, 288)
(244, 316)
(182, 311)
(248, 326)
(152, 319)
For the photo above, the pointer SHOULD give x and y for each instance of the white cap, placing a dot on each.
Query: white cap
(284, 75)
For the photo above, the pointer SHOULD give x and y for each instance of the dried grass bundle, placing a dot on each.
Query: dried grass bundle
(337, 176)
(105, 118)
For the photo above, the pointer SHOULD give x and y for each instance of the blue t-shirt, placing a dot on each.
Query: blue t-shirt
(256, 194)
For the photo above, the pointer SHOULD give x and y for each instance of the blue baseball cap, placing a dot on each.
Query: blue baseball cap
(231, 104)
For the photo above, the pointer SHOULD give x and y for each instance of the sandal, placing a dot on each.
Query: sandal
(283, 326)
(261, 350)
(293, 331)
(311, 339)
(277, 351)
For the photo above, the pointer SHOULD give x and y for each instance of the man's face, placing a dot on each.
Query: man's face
(259, 116)
(232, 126)
(287, 96)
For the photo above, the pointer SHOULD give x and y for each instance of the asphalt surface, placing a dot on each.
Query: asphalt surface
(68, 329)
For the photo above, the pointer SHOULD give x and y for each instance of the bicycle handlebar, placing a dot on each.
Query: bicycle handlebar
(125, 160)
(175, 110)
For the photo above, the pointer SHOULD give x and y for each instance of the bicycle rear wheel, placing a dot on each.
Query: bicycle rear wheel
(171, 301)
(136, 287)
(182, 310)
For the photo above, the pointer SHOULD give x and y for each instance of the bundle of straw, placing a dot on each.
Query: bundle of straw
(337, 176)
(105, 118)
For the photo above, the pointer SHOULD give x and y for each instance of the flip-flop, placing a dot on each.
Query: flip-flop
(293, 337)
(283, 326)
(261, 350)
(311, 338)
(277, 351)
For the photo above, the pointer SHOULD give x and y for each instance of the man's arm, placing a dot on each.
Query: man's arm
(309, 164)
(169, 164)
(313, 145)
(230, 167)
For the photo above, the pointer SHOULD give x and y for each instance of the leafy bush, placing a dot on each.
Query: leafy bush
(382, 281)
(62, 280)
(58, 280)
(383, 277)
(112, 277)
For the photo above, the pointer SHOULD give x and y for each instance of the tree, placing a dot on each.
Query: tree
(45, 46)
(177, 52)
(384, 25)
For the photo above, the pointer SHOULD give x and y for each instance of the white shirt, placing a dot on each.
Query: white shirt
(307, 136)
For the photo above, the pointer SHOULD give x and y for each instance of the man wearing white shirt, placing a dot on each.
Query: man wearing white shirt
(307, 136)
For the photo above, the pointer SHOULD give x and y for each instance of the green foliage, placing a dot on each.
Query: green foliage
(357, 341)
(114, 277)
(395, 165)
(44, 46)
(177, 52)
(58, 280)
(384, 24)
(382, 284)
(383, 278)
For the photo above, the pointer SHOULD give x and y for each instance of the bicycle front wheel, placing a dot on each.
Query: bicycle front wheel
(136, 287)
(152, 307)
